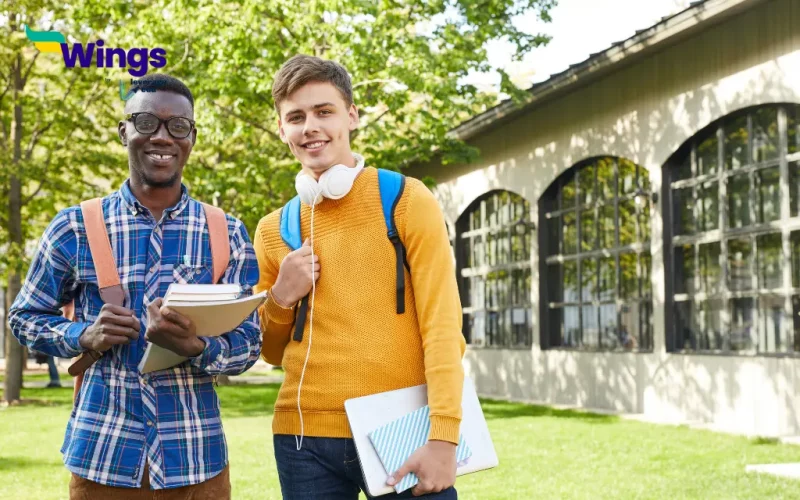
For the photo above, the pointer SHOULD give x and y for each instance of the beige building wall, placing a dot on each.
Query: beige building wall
(644, 111)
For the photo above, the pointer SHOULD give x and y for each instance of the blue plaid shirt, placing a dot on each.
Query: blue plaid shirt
(123, 419)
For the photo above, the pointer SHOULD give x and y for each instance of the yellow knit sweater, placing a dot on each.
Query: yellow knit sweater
(360, 344)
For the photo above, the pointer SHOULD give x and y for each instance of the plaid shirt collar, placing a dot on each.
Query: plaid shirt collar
(130, 202)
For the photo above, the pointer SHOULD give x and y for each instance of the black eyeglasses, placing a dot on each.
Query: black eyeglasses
(148, 123)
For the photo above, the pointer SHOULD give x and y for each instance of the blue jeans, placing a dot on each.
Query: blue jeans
(327, 468)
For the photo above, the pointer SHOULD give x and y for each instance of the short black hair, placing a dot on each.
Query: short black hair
(159, 81)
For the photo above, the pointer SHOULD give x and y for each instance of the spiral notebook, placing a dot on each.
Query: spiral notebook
(397, 441)
(368, 414)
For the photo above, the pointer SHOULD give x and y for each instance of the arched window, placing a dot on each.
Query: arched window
(732, 235)
(493, 262)
(595, 257)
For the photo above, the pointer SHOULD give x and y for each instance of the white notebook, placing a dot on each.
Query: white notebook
(211, 318)
(369, 413)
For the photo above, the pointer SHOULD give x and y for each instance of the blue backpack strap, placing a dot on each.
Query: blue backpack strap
(391, 185)
(290, 224)
(291, 235)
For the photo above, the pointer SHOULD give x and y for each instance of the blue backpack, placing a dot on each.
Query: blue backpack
(391, 185)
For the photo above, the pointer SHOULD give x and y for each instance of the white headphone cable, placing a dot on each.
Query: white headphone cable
(299, 442)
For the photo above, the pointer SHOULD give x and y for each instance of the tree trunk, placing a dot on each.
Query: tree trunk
(14, 351)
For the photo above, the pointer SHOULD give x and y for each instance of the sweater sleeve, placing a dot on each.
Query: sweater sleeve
(438, 309)
(276, 322)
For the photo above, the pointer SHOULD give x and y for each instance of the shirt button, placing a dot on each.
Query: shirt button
(149, 423)
(153, 269)
(197, 271)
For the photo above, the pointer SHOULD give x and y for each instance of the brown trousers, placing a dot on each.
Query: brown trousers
(216, 488)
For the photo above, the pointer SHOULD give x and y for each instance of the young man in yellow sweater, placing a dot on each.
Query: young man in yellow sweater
(354, 342)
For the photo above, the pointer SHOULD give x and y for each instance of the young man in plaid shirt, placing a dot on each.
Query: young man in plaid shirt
(130, 434)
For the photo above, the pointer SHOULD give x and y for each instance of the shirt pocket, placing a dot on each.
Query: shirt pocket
(185, 274)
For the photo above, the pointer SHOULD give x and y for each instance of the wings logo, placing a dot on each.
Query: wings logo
(137, 60)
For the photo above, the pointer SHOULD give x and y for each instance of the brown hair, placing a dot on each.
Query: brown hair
(302, 69)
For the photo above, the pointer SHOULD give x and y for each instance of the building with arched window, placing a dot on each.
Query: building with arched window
(629, 239)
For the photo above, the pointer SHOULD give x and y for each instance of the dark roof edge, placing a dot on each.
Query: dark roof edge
(665, 31)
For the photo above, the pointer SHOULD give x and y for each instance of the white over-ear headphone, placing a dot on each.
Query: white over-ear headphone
(333, 184)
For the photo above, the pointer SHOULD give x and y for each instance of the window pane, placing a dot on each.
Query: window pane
(683, 170)
(629, 280)
(770, 274)
(645, 340)
(646, 264)
(736, 143)
(591, 331)
(605, 179)
(627, 177)
(503, 280)
(707, 156)
(567, 194)
(631, 319)
(589, 280)
(708, 201)
(709, 267)
(588, 231)
(794, 187)
(608, 327)
(491, 249)
(607, 227)
(571, 281)
(627, 222)
(683, 215)
(708, 323)
(570, 244)
(686, 333)
(491, 209)
(572, 329)
(644, 220)
(771, 320)
(478, 252)
(475, 218)
(520, 286)
(608, 279)
(793, 128)
(765, 134)
(795, 244)
(739, 201)
(740, 337)
(477, 293)
(796, 323)
(740, 276)
(769, 200)
(644, 179)
(685, 269)
(586, 181)
(502, 247)
(520, 238)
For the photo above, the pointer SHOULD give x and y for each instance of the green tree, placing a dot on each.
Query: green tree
(407, 60)
(58, 141)
(54, 138)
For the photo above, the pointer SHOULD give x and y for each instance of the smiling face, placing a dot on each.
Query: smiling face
(315, 122)
(157, 159)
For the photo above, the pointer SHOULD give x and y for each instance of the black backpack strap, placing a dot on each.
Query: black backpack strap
(391, 185)
(290, 233)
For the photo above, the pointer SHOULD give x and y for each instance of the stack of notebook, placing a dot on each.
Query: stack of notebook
(214, 310)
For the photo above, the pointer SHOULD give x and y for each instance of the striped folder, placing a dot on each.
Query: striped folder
(396, 441)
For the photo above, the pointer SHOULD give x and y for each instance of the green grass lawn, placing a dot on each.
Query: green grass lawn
(544, 453)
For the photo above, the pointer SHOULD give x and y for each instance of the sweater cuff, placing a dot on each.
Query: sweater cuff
(278, 314)
(445, 429)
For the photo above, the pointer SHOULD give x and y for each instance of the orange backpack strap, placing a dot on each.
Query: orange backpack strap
(107, 275)
(102, 256)
(218, 237)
